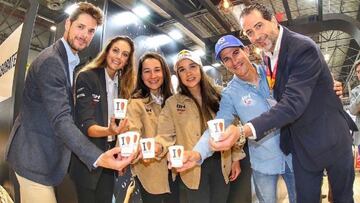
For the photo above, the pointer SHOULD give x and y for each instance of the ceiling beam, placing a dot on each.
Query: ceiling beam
(287, 11)
(320, 10)
(215, 13)
(24, 11)
(332, 21)
(178, 16)
(22, 56)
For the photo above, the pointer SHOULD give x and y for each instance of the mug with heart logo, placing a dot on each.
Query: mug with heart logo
(216, 128)
(147, 147)
(120, 106)
(176, 153)
(128, 142)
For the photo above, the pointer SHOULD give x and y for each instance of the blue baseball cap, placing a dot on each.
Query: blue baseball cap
(226, 42)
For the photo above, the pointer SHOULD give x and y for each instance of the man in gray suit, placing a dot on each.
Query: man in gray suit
(44, 133)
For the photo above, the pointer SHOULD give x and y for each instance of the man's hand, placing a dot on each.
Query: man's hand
(118, 129)
(235, 170)
(108, 160)
(338, 88)
(227, 139)
(190, 160)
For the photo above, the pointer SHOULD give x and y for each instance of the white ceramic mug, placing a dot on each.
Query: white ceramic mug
(147, 147)
(120, 106)
(216, 128)
(176, 153)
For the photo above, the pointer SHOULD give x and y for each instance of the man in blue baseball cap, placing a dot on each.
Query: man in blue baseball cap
(247, 96)
(225, 42)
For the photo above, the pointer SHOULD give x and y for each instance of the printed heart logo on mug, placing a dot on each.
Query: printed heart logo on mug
(178, 152)
(135, 138)
(127, 139)
(122, 105)
(221, 126)
(148, 145)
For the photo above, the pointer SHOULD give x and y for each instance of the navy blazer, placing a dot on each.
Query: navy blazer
(44, 133)
(91, 108)
(313, 124)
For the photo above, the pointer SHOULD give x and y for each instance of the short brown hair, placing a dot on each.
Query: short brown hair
(87, 8)
(265, 12)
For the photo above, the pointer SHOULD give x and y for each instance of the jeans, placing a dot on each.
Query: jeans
(266, 186)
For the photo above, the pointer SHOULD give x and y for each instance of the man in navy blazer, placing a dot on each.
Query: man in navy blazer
(44, 133)
(314, 126)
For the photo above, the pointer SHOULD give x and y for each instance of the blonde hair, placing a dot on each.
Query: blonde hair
(127, 76)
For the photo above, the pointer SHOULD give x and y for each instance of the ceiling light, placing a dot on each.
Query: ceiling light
(225, 6)
(53, 28)
(175, 34)
(199, 52)
(158, 40)
(141, 11)
(327, 57)
(70, 9)
(125, 18)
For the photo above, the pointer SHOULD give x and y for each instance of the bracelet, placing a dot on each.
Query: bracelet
(161, 149)
(242, 138)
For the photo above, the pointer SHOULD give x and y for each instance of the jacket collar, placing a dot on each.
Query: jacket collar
(182, 98)
(59, 46)
(103, 93)
(283, 54)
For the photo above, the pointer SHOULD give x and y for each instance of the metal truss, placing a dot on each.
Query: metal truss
(12, 16)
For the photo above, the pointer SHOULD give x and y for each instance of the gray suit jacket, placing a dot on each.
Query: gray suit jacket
(44, 133)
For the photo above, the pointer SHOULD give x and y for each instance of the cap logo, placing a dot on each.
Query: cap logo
(184, 53)
(221, 40)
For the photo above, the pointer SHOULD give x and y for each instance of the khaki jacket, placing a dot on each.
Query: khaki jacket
(143, 117)
(179, 123)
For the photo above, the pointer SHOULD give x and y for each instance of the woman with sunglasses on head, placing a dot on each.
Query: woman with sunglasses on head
(110, 75)
(153, 88)
(183, 120)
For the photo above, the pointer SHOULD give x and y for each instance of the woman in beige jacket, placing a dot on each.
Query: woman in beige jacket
(152, 89)
(183, 120)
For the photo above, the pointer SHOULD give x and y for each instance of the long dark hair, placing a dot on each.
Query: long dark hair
(127, 76)
(210, 95)
(141, 90)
